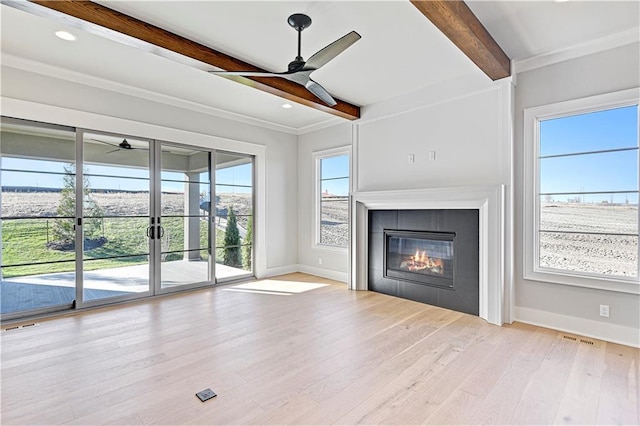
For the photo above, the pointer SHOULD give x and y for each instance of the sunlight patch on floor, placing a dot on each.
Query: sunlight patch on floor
(283, 288)
(243, 290)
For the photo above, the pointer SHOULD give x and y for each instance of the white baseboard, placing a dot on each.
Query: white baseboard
(311, 270)
(279, 270)
(600, 330)
(324, 273)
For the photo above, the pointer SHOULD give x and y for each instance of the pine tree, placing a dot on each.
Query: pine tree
(63, 229)
(232, 253)
(248, 241)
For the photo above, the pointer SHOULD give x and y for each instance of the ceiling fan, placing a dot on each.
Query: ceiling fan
(299, 70)
(118, 147)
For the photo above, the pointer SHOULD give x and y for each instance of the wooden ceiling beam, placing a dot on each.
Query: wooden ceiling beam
(460, 25)
(109, 23)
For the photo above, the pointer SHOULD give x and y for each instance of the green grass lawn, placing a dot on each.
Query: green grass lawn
(24, 241)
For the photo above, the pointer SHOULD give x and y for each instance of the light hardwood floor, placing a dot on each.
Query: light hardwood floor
(304, 350)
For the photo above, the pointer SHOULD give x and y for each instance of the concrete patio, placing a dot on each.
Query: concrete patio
(47, 290)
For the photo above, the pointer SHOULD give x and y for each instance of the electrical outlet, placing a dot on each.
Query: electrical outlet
(604, 311)
(319, 261)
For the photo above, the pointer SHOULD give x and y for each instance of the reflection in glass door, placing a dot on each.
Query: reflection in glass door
(38, 210)
(116, 217)
(185, 194)
(233, 216)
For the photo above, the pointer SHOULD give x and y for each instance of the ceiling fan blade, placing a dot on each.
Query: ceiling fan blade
(329, 52)
(320, 92)
(118, 147)
(247, 73)
(106, 143)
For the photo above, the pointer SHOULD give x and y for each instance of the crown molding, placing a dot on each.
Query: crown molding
(612, 41)
(23, 64)
(334, 121)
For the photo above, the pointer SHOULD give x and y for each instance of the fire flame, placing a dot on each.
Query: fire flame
(421, 261)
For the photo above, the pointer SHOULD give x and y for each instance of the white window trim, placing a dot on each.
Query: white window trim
(317, 157)
(531, 207)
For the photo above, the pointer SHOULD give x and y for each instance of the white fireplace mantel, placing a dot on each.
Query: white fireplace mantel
(489, 200)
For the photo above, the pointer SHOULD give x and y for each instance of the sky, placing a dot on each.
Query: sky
(335, 167)
(232, 179)
(604, 172)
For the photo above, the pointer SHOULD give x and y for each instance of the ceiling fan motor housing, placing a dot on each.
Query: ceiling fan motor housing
(296, 64)
(299, 21)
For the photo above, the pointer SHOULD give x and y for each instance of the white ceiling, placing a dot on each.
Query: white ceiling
(529, 28)
(400, 50)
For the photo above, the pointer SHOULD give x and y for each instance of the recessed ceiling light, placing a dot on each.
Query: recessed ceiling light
(287, 106)
(65, 35)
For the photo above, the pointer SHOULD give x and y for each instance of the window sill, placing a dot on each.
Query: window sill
(618, 285)
(332, 249)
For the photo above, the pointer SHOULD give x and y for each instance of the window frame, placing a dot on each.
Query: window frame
(318, 156)
(531, 203)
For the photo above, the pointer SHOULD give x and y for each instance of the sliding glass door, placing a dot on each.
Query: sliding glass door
(185, 234)
(233, 216)
(38, 257)
(116, 216)
(89, 218)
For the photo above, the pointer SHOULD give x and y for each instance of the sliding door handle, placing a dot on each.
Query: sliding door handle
(160, 231)
(151, 232)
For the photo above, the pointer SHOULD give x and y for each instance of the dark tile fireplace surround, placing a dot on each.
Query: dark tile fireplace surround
(429, 256)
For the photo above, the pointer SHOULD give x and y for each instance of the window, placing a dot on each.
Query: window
(332, 199)
(581, 217)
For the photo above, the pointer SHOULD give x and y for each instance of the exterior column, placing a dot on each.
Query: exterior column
(192, 224)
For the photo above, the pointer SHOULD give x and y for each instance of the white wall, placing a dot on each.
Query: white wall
(573, 309)
(335, 264)
(466, 133)
(117, 112)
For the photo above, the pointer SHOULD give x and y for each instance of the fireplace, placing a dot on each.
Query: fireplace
(495, 283)
(420, 257)
(427, 255)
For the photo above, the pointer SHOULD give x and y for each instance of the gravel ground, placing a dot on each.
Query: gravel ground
(334, 226)
(619, 219)
(603, 254)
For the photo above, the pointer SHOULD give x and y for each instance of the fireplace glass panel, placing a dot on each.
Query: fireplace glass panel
(423, 257)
